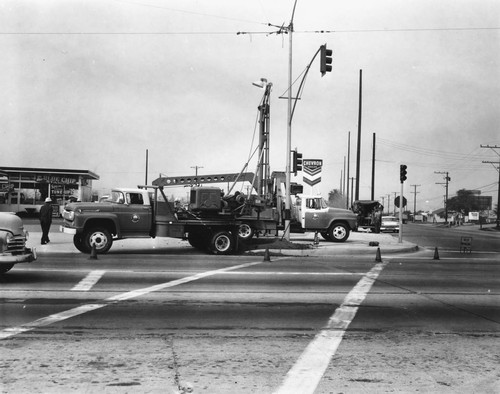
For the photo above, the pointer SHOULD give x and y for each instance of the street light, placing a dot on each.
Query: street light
(260, 84)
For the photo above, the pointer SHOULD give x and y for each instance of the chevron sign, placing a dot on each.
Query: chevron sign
(312, 171)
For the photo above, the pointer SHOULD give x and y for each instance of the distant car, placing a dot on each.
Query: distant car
(389, 224)
(13, 238)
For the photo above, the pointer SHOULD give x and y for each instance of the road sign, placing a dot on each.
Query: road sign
(397, 200)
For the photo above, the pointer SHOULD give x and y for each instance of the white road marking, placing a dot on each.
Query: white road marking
(296, 273)
(89, 281)
(57, 317)
(306, 373)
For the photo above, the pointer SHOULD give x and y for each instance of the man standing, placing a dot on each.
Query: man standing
(46, 220)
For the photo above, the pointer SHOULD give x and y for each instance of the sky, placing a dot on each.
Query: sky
(94, 84)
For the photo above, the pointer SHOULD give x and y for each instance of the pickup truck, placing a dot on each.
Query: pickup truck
(13, 238)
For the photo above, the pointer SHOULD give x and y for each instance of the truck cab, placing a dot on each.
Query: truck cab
(312, 213)
(133, 210)
(125, 213)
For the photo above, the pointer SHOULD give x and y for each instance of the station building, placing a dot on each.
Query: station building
(24, 190)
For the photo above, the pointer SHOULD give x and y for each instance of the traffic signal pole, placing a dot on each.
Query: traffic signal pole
(400, 240)
(402, 179)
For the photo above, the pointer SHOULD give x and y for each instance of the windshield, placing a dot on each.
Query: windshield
(389, 219)
(117, 197)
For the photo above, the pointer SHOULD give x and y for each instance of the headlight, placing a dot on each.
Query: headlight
(69, 215)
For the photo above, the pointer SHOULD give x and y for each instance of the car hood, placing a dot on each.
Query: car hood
(12, 223)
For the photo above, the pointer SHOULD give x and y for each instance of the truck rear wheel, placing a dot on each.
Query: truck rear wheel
(100, 237)
(338, 232)
(198, 239)
(222, 243)
(79, 244)
(245, 231)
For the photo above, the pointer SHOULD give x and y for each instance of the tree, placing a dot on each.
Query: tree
(336, 199)
(465, 201)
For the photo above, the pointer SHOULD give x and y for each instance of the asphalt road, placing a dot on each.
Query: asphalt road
(183, 322)
(484, 239)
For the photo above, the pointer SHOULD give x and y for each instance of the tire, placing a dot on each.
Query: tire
(198, 239)
(325, 235)
(222, 243)
(79, 244)
(99, 236)
(4, 268)
(245, 232)
(338, 232)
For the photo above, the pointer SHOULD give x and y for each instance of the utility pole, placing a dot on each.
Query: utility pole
(373, 168)
(395, 194)
(196, 172)
(447, 179)
(358, 158)
(498, 169)
(348, 165)
(388, 204)
(343, 180)
(288, 167)
(147, 162)
(352, 186)
(383, 201)
(415, 200)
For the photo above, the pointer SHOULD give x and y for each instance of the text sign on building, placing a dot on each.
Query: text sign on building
(312, 171)
(62, 180)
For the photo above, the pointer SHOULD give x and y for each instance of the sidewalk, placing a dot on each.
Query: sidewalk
(358, 243)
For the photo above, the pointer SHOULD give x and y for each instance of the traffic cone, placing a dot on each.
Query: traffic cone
(266, 255)
(93, 253)
(436, 254)
(378, 257)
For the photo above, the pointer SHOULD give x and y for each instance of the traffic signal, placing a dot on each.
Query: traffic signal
(325, 60)
(296, 162)
(402, 172)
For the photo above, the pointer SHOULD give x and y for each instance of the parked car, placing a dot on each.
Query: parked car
(13, 239)
(390, 223)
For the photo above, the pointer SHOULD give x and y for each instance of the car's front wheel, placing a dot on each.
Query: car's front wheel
(4, 268)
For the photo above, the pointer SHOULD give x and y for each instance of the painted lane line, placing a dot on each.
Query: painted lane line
(57, 317)
(306, 373)
(296, 273)
(89, 281)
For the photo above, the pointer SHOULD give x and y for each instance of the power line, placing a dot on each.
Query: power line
(142, 4)
(279, 31)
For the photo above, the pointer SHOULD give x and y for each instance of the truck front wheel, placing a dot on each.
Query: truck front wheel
(338, 232)
(100, 237)
(79, 244)
(222, 243)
